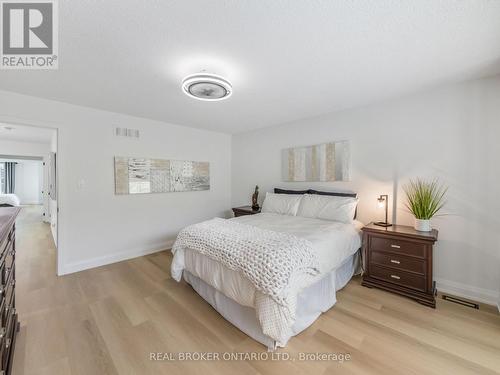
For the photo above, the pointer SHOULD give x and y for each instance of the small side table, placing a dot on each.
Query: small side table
(245, 210)
(399, 260)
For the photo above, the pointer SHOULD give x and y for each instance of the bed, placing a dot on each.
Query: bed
(9, 200)
(237, 296)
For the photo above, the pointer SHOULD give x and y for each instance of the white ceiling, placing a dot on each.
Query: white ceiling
(287, 60)
(25, 133)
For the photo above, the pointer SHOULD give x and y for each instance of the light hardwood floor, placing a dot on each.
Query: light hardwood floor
(108, 320)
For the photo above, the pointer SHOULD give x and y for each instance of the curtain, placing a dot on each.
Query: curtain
(10, 177)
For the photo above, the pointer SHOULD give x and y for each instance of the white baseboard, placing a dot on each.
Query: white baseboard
(488, 296)
(112, 258)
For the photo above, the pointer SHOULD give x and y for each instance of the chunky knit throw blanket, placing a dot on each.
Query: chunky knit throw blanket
(277, 264)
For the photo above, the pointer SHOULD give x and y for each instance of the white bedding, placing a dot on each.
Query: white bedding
(11, 199)
(311, 303)
(333, 242)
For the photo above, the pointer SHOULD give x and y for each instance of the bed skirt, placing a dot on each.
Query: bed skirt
(312, 301)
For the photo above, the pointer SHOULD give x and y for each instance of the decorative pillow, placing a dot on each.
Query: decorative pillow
(333, 193)
(286, 191)
(325, 207)
(284, 204)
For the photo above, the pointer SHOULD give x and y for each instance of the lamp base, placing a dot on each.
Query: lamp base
(382, 224)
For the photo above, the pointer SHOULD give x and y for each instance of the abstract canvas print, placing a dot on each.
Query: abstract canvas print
(189, 175)
(143, 175)
(324, 162)
(160, 175)
(139, 176)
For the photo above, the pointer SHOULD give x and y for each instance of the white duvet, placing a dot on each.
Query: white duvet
(333, 243)
(11, 199)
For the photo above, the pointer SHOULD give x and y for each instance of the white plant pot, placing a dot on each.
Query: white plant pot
(422, 225)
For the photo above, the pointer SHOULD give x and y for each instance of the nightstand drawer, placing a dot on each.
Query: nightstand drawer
(399, 262)
(398, 277)
(397, 246)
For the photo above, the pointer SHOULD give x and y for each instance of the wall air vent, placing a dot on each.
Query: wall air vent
(125, 132)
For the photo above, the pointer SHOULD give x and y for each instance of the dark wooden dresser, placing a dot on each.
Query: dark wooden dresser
(399, 259)
(245, 210)
(8, 315)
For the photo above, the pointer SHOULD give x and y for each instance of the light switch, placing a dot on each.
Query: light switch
(80, 186)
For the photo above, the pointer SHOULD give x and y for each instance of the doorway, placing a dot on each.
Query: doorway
(28, 174)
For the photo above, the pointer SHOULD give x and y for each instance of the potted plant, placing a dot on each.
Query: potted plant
(424, 200)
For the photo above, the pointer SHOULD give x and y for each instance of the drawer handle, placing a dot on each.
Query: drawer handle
(395, 277)
(396, 246)
(395, 261)
(2, 332)
(7, 343)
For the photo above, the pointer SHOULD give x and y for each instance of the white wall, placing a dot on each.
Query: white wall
(451, 133)
(95, 226)
(29, 181)
(16, 148)
(26, 191)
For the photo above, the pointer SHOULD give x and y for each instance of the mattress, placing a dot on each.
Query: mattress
(333, 243)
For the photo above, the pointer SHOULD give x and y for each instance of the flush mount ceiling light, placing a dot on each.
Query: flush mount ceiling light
(206, 86)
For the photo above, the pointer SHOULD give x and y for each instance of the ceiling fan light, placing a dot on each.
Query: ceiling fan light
(206, 86)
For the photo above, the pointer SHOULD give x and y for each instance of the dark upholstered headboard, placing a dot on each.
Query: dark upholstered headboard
(311, 191)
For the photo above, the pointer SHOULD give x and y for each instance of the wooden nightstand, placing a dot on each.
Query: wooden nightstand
(245, 210)
(399, 259)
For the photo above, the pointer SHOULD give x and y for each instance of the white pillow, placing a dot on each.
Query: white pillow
(328, 207)
(284, 204)
(343, 210)
(310, 205)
